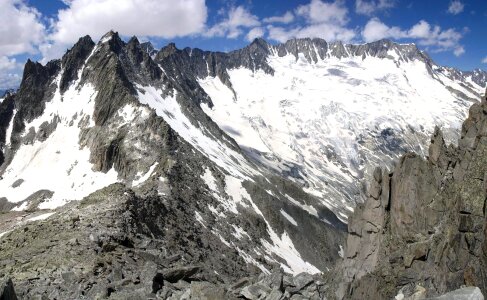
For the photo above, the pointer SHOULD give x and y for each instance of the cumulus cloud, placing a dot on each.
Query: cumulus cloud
(286, 18)
(232, 26)
(327, 20)
(432, 37)
(317, 12)
(157, 18)
(10, 71)
(455, 7)
(9, 80)
(21, 32)
(154, 18)
(21, 28)
(254, 33)
(484, 61)
(370, 7)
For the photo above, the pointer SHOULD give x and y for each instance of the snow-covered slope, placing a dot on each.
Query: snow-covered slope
(326, 123)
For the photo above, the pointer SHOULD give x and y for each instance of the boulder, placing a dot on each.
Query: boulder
(466, 293)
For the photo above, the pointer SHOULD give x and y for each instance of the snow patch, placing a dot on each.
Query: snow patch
(58, 164)
(289, 218)
(235, 190)
(209, 180)
(199, 218)
(310, 209)
(143, 178)
(283, 246)
(341, 252)
(41, 217)
(10, 127)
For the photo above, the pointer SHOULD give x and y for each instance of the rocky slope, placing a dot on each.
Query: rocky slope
(422, 229)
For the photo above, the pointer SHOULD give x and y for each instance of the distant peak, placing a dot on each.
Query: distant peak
(134, 40)
(260, 42)
(109, 36)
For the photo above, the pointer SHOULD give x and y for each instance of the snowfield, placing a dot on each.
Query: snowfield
(324, 124)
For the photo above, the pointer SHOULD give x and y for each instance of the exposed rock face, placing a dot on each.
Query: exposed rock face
(423, 224)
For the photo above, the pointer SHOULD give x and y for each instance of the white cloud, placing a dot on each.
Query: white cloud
(9, 72)
(21, 28)
(158, 18)
(318, 11)
(8, 63)
(254, 33)
(21, 32)
(9, 80)
(326, 20)
(375, 30)
(432, 37)
(369, 7)
(456, 7)
(231, 27)
(484, 61)
(286, 18)
(328, 32)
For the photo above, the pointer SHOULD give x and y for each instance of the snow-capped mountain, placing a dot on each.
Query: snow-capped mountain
(254, 157)
(323, 114)
(108, 114)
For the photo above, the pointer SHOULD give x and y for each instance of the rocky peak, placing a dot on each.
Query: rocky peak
(312, 49)
(113, 40)
(74, 59)
(149, 49)
(259, 45)
(167, 51)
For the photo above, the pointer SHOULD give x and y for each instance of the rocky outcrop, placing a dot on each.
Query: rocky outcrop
(7, 291)
(423, 224)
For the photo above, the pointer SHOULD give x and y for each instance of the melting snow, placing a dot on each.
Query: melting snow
(239, 232)
(310, 209)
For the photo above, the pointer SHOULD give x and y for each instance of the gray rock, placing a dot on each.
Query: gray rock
(466, 293)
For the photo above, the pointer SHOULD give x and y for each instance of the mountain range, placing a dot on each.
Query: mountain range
(240, 163)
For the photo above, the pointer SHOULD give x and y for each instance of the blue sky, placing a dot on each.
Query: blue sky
(452, 31)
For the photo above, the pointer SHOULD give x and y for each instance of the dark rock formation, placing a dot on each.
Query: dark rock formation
(423, 224)
(7, 291)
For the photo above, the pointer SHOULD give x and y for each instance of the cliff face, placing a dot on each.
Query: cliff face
(422, 229)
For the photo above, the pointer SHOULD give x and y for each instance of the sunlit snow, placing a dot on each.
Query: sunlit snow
(313, 115)
(58, 164)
